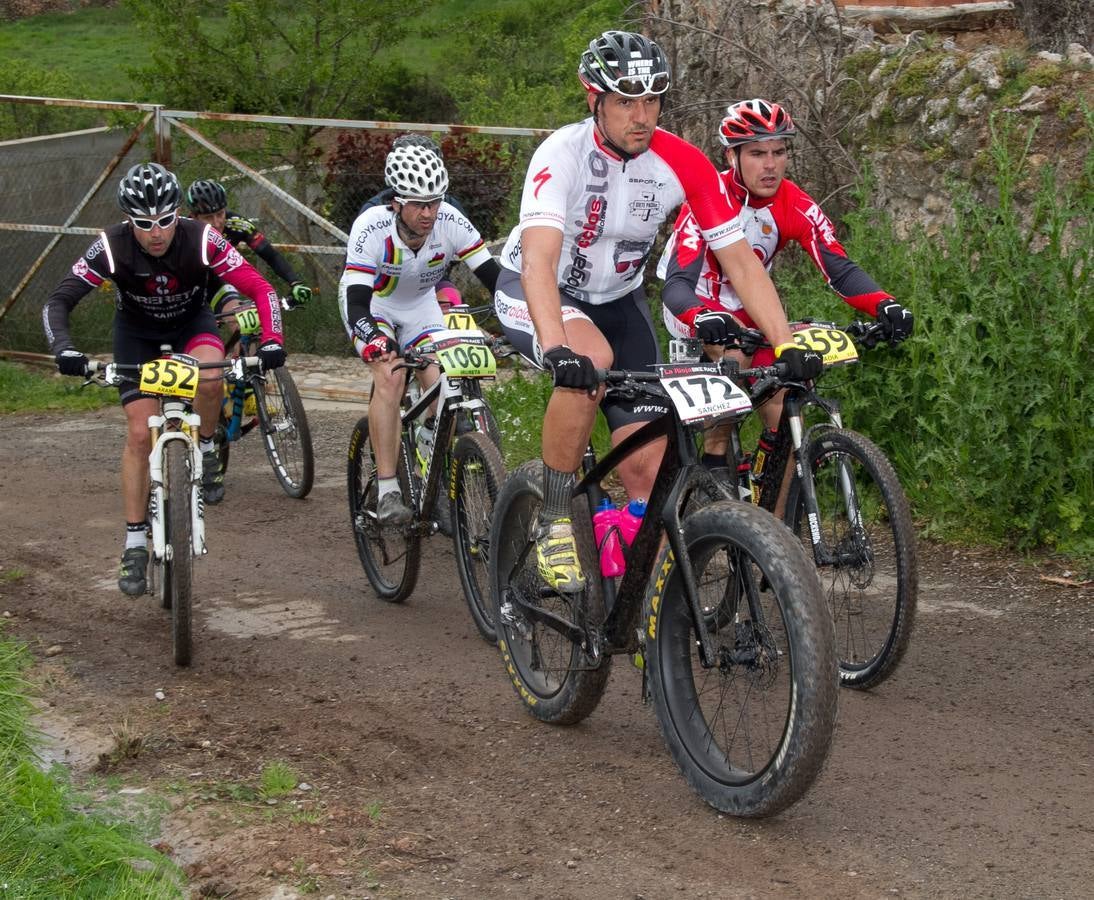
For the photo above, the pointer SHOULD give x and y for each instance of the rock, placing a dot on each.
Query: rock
(983, 67)
(160, 695)
(1078, 55)
(55, 650)
(971, 102)
(934, 109)
(1050, 57)
(1033, 100)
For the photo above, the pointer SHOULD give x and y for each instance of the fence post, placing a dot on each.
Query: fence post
(163, 138)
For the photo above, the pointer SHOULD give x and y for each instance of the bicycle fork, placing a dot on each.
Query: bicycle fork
(184, 427)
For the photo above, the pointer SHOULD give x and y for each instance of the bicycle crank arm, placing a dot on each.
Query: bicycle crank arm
(567, 629)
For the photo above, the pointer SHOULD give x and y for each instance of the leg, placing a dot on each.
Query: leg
(385, 430)
(207, 347)
(138, 444)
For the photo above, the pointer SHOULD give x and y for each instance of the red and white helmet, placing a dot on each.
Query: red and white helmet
(755, 120)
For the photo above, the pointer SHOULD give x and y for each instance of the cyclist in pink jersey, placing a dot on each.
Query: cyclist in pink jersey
(570, 293)
(700, 300)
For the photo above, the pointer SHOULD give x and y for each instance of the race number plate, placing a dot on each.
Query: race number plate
(460, 321)
(464, 354)
(833, 345)
(172, 376)
(700, 391)
(248, 321)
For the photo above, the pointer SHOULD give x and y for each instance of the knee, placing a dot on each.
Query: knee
(138, 440)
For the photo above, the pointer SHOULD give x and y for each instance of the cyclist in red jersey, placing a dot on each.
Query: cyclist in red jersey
(570, 294)
(700, 300)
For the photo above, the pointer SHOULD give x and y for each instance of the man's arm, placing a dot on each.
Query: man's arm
(753, 285)
(541, 249)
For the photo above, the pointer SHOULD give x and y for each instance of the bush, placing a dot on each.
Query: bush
(986, 410)
(480, 174)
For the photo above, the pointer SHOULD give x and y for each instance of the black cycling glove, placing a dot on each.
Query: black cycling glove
(801, 364)
(272, 355)
(896, 321)
(71, 362)
(715, 327)
(571, 370)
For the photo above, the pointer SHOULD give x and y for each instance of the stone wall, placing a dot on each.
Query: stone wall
(912, 112)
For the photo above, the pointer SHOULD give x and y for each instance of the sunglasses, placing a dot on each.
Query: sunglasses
(421, 201)
(165, 221)
(640, 85)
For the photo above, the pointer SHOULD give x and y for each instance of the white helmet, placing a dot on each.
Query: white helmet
(416, 173)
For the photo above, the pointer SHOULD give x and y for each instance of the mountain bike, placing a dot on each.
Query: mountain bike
(727, 621)
(845, 503)
(463, 466)
(176, 510)
(269, 400)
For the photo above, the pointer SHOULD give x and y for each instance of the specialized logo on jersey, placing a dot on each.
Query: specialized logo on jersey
(540, 178)
(647, 205)
(161, 285)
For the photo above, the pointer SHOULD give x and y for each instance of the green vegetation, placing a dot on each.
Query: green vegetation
(47, 848)
(34, 390)
(277, 780)
(985, 411)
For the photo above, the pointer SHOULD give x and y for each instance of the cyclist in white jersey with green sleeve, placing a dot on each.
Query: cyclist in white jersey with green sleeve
(395, 257)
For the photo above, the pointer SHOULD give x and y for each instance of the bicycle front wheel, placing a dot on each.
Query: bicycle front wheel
(867, 561)
(178, 566)
(555, 679)
(286, 433)
(751, 732)
(477, 475)
(390, 555)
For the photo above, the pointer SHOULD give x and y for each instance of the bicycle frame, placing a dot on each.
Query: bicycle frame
(448, 394)
(679, 473)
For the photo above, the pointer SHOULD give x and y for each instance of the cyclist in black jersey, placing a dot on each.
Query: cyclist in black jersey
(208, 202)
(161, 266)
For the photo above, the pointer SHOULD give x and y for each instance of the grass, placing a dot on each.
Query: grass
(48, 847)
(24, 389)
(89, 41)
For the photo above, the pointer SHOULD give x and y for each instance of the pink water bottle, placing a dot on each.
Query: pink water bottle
(606, 530)
(630, 518)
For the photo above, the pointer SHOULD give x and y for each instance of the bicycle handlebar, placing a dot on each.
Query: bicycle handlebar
(109, 374)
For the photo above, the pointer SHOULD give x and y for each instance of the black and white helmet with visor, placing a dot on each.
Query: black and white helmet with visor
(626, 63)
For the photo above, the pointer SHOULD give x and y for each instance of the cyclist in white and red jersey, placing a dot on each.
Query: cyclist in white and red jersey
(570, 294)
(396, 256)
(161, 266)
(700, 300)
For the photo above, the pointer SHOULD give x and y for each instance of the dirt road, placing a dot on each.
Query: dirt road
(969, 774)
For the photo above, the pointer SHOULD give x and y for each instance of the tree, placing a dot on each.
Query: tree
(1053, 24)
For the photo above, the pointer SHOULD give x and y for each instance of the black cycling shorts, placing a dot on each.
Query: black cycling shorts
(136, 343)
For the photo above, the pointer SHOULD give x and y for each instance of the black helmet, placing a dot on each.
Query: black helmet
(624, 62)
(415, 140)
(206, 197)
(148, 189)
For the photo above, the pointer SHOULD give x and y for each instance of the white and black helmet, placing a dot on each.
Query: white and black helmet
(148, 189)
(624, 62)
(416, 173)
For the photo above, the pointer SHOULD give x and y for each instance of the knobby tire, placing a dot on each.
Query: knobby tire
(556, 681)
(751, 733)
(390, 555)
(178, 572)
(285, 432)
(872, 588)
(477, 475)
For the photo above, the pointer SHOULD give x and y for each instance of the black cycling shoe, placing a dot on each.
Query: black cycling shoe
(133, 579)
(212, 479)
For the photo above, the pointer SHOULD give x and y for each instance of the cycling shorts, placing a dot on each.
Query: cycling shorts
(408, 326)
(135, 344)
(625, 323)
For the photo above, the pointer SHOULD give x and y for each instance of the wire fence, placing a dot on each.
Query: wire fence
(301, 179)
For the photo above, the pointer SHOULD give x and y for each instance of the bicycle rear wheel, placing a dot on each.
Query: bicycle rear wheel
(751, 733)
(477, 475)
(870, 577)
(177, 570)
(285, 432)
(554, 677)
(390, 555)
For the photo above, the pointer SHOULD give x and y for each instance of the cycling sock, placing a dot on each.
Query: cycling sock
(387, 486)
(206, 444)
(136, 534)
(558, 488)
(713, 461)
